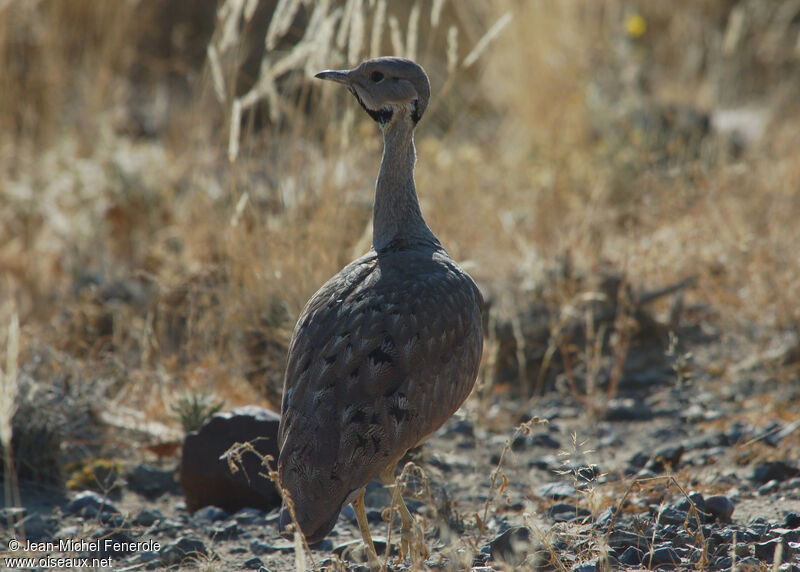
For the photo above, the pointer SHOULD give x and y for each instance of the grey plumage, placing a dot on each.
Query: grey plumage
(387, 350)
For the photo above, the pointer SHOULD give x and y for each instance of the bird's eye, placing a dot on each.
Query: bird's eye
(376, 76)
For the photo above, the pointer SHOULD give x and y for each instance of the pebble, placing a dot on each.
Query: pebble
(511, 546)
(632, 556)
(90, 504)
(774, 470)
(664, 556)
(792, 520)
(719, 507)
(224, 531)
(151, 482)
(765, 551)
(564, 512)
(210, 514)
(556, 491)
(182, 549)
(253, 564)
(147, 517)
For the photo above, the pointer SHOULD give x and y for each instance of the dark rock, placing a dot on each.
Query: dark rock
(354, 549)
(544, 440)
(89, 504)
(621, 539)
(768, 488)
(249, 516)
(664, 556)
(672, 516)
(788, 534)
(511, 546)
(151, 482)
(564, 512)
(259, 547)
(605, 517)
(38, 528)
(774, 470)
(225, 531)
(765, 551)
(207, 480)
(668, 456)
(119, 541)
(695, 499)
(792, 520)
(556, 491)
(587, 567)
(253, 564)
(632, 556)
(182, 549)
(719, 507)
(147, 517)
(210, 514)
(628, 412)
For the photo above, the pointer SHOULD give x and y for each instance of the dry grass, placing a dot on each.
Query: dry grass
(165, 216)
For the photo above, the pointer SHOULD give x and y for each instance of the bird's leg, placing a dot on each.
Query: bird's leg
(361, 517)
(411, 535)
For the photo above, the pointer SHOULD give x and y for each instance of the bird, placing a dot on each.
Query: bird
(387, 349)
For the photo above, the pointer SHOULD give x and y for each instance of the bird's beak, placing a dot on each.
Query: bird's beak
(333, 75)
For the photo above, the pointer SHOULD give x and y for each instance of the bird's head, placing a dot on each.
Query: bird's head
(387, 88)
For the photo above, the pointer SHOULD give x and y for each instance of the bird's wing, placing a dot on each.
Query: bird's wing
(380, 357)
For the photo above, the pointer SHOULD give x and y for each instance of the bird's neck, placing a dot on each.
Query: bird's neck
(397, 213)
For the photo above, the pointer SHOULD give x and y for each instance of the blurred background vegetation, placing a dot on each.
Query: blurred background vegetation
(174, 184)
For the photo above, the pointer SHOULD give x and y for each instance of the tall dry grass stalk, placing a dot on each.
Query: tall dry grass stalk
(9, 393)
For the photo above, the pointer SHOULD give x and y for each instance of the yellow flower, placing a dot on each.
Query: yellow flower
(635, 26)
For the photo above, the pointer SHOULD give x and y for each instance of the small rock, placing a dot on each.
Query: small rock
(38, 528)
(210, 514)
(587, 567)
(89, 504)
(672, 516)
(147, 517)
(151, 482)
(664, 556)
(556, 491)
(667, 456)
(511, 546)
(769, 487)
(249, 516)
(183, 548)
(774, 470)
(766, 550)
(632, 556)
(544, 440)
(253, 564)
(622, 539)
(354, 549)
(207, 480)
(259, 547)
(719, 507)
(564, 512)
(792, 520)
(225, 531)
